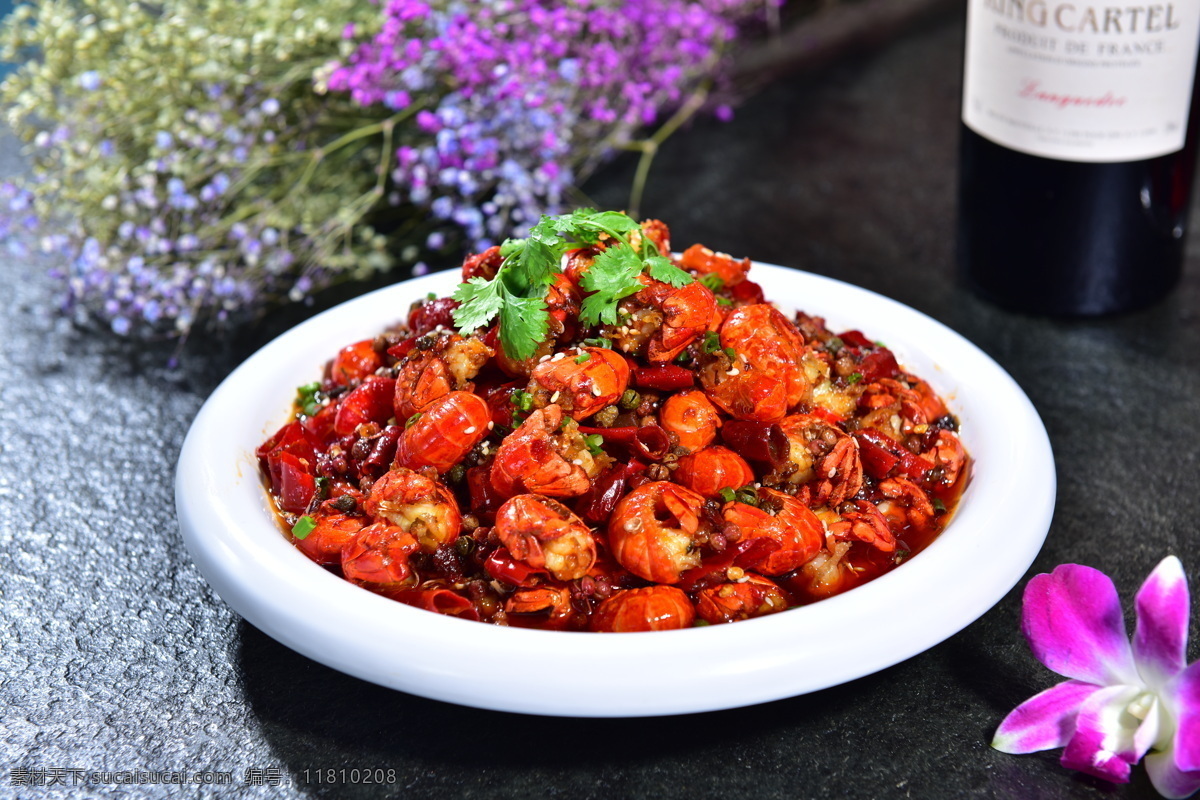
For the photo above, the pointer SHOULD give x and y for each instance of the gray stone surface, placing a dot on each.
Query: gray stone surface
(117, 656)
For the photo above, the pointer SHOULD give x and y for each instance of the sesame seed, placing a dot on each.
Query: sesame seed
(597, 391)
(491, 425)
(554, 397)
(733, 371)
(469, 430)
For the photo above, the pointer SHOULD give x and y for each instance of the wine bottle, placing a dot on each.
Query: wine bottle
(1077, 152)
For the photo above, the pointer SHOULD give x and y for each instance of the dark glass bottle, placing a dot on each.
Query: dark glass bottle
(1067, 238)
(1077, 152)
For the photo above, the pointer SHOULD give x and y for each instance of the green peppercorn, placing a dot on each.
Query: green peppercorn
(748, 496)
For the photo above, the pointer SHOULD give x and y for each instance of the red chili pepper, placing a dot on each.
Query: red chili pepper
(355, 362)
(756, 441)
(877, 365)
(290, 439)
(597, 503)
(443, 601)
(746, 292)
(855, 339)
(499, 400)
(877, 461)
(371, 401)
(403, 348)
(384, 448)
(666, 378)
(710, 572)
(428, 314)
(648, 441)
(320, 425)
(484, 497)
(880, 454)
(293, 482)
(744, 553)
(501, 566)
(755, 550)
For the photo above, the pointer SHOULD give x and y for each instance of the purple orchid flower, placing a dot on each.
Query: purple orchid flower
(1121, 702)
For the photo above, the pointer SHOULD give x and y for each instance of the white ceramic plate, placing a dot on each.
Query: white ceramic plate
(999, 527)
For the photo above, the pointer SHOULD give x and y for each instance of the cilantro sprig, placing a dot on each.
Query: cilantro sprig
(516, 295)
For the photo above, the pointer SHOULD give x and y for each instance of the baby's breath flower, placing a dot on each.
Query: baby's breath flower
(182, 164)
(194, 161)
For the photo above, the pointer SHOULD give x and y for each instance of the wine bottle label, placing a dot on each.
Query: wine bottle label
(1074, 81)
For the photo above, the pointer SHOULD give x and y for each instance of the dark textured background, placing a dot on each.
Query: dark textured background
(116, 655)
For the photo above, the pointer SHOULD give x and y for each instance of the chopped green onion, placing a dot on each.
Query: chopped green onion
(855, 377)
(712, 342)
(728, 495)
(938, 505)
(599, 341)
(412, 420)
(431, 296)
(582, 357)
(834, 344)
(713, 281)
(306, 398)
(303, 527)
(729, 351)
(522, 400)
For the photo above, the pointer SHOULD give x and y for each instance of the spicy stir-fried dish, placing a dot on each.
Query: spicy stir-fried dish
(594, 434)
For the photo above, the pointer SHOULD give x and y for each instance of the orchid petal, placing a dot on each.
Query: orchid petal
(1044, 721)
(1103, 742)
(1168, 779)
(1160, 638)
(1183, 698)
(1073, 621)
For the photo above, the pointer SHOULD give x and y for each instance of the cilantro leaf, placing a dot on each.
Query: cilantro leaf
(517, 293)
(481, 300)
(615, 221)
(510, 246)
(575, 228)
(524, 324)
(613, 276)
(661, 269)
(536, 265)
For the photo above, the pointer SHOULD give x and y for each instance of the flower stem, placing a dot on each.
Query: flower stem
(649, 147)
